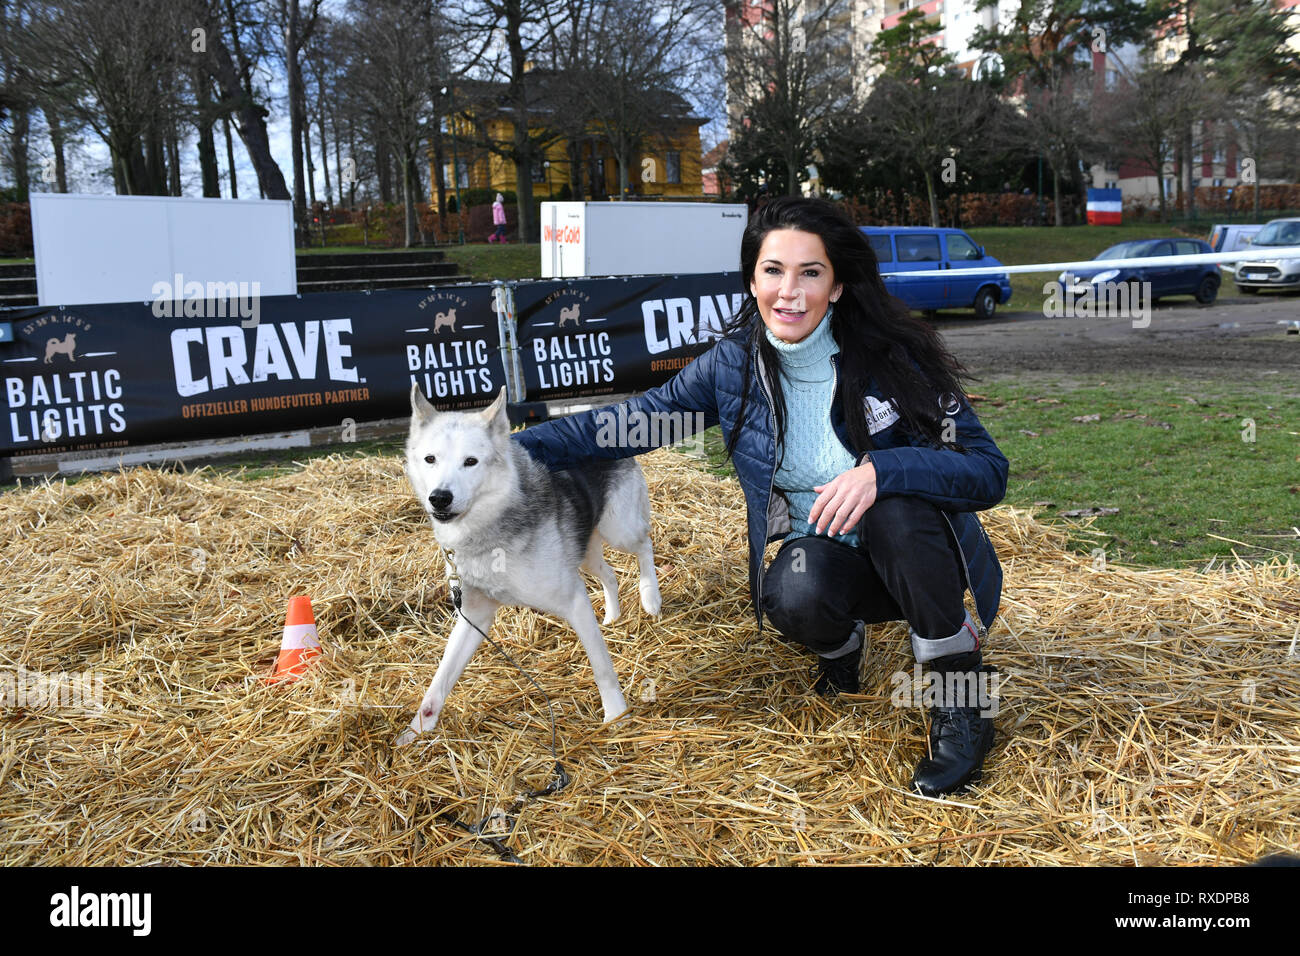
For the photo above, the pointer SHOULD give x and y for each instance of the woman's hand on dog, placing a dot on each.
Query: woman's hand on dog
(844, 500)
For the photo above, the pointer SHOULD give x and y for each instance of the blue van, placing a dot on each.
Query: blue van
(903, 249)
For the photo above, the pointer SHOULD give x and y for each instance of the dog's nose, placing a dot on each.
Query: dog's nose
(440, 499)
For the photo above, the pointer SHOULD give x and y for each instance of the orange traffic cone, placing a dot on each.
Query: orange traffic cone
(299, 646)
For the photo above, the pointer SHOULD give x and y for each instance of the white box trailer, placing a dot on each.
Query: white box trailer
(640, 238)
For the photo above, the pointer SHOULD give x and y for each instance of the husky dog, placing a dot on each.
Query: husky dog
(518, 533)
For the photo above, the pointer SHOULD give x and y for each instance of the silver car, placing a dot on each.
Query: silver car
(1271, 273)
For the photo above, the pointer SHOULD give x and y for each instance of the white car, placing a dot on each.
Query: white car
(1271, 273)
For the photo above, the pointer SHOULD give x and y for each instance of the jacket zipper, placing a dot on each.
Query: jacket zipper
(771, 481)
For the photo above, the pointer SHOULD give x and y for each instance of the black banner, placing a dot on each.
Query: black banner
(92, 377)
(108, 376)
(584, 337)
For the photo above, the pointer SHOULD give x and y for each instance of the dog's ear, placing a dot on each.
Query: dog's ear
(421, 410)
(495, 414)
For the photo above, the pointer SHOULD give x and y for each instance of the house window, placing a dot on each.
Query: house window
(1169, 188)
(1220, 153)
(1218, 182)
(673, 161)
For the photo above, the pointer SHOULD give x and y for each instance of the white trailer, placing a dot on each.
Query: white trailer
(640, 238)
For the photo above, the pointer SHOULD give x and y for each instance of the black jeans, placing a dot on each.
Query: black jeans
(905, 568)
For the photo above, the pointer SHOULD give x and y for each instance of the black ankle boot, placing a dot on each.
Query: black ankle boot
(959, 737)
(839, 675)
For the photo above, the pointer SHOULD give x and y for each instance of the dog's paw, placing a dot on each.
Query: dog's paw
(405, 737)
(615, 709)
(651, 602)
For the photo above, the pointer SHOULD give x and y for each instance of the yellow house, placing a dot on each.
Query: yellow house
(667, 167)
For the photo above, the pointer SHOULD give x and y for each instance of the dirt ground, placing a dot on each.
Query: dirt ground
(1237, 337)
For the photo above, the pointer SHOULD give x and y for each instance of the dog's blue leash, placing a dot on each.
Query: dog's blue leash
(561, 780)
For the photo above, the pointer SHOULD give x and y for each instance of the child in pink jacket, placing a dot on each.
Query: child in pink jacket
(499, 219)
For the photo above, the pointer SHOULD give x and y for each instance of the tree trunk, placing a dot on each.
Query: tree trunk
(440, 175)
(384, 169)
(311, 166)
(155, 164)
(324, 146)
(573, 149)
(251, 125)
(173, 162)
(338, 159)
(230, 158)
(57, 139)
(1191, 172)
(292, 43)
(408, 199)
(21, 122)
(1056, 193)
(207, 141)
(929, 192)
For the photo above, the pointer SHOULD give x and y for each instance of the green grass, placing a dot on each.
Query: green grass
(1175, 487)
(379, 250)
(483, 261)
(486, 261)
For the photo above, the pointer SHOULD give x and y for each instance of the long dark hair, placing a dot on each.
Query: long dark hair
(878, 337)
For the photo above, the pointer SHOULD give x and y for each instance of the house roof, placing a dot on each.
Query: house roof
(547, 96)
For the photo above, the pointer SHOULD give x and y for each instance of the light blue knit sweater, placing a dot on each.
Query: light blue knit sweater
(813, 453)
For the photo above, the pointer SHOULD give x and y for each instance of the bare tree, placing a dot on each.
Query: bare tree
(626, 71)
(502, 40)
(116, 66)
(786, 73)
(18, 92)
(924, 124)
(235, 41)
(1144, 118)
(297, 20)
(390, 51)
(1056, 124)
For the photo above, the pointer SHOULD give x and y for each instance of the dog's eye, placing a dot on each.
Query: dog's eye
(471, 462)
(429, 459)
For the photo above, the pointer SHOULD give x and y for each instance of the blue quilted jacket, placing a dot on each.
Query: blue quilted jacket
(958, 482)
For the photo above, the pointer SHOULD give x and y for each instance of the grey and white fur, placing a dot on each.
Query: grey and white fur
(517, 532)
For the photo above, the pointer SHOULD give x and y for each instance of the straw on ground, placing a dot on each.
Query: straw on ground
(1146, 716)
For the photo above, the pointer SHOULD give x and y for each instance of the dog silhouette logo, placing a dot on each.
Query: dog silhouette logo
(570, 314)
(66, 345)
(447, 319)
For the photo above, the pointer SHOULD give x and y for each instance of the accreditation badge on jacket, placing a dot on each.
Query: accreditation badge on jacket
(880, 415)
